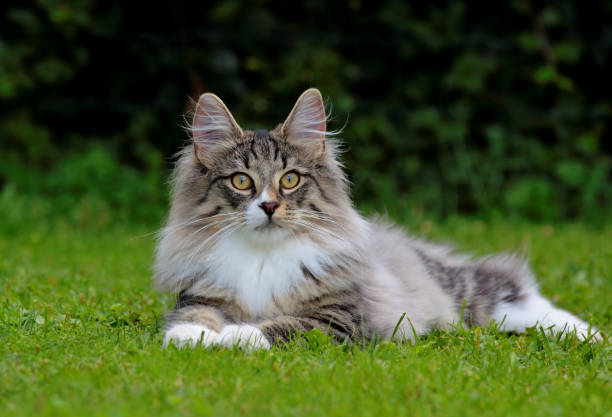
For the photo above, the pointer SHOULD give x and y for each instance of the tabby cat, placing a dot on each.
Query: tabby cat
(263, 242)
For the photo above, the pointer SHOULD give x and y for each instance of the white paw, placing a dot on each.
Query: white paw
(244, 336)
(579, 328)
(583, 333)
(190, 334)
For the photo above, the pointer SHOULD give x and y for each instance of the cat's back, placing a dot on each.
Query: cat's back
(400, 251)
(401, 280)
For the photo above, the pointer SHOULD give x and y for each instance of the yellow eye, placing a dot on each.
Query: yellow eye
(241, 181)
(290, 179)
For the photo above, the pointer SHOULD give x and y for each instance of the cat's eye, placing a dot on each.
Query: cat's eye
(290, 179)
(241, 181)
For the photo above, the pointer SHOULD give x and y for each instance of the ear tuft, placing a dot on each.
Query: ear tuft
(213, 126)
(306, 124)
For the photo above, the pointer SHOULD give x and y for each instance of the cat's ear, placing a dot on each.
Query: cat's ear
(213, 127)
(307, 122)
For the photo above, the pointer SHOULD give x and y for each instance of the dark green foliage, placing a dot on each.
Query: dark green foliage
(453, 106)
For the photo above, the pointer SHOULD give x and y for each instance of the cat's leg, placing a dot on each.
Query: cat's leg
(204, 325)
(261, 336)
(245, 336)
(194, 324)
(535, 310)
(340, 324)
(283, 328)
(200, 319)
(338, 314)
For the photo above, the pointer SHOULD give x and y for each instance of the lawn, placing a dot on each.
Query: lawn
(80, 328)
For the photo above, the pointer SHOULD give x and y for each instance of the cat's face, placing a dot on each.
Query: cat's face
(264, 186)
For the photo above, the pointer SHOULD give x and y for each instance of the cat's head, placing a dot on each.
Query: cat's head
(265, 186)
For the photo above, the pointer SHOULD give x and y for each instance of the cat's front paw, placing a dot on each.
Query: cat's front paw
(190, 334)
(244, 336)
(584, 332)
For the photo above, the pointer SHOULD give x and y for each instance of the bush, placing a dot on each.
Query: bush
(89, 189)
(454, 107)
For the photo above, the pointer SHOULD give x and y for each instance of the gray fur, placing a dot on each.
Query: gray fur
(363, 274)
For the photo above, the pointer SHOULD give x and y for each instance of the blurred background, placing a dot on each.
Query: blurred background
(470, 108)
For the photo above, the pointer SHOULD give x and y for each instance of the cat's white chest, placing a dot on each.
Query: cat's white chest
(259, 272)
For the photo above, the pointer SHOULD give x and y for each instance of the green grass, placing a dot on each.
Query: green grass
(80, 331)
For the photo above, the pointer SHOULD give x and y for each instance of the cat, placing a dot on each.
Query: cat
(262, 242)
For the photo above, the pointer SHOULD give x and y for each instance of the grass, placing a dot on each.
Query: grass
(80, 328)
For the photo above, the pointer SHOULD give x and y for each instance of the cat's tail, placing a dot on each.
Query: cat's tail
(517, 302)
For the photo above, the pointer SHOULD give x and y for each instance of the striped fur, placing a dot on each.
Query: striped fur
(242, 273)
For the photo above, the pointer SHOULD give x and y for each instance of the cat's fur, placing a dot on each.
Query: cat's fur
(248, 279)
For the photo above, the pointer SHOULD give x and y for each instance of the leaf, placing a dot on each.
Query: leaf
(567, 51)
(571, 172)
(469, 72)
(545, 74)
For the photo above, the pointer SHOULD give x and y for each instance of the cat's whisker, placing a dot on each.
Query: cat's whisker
(188, 243)
(197, 252)
(198, 220)
(221, 231)
(317, 228)
(319, 213)
(330, 263)
(324, 219)
(217, 222)
(238, 213)
(321, 216)
(209, 225)
(313, 213)
(183, 225)
(158, 233)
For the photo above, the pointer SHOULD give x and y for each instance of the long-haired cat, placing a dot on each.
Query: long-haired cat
(262, 241)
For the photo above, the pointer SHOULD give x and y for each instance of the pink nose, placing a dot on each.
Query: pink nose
(269, 207)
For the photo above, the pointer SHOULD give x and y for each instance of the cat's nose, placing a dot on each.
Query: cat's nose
(269, 207)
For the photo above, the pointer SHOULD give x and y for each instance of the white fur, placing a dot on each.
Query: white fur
(256, 265)
(257, 262)
(244, 336)
(190, 334)
(538, 311)
(259, 270)
(256, 217)
(408, 289)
